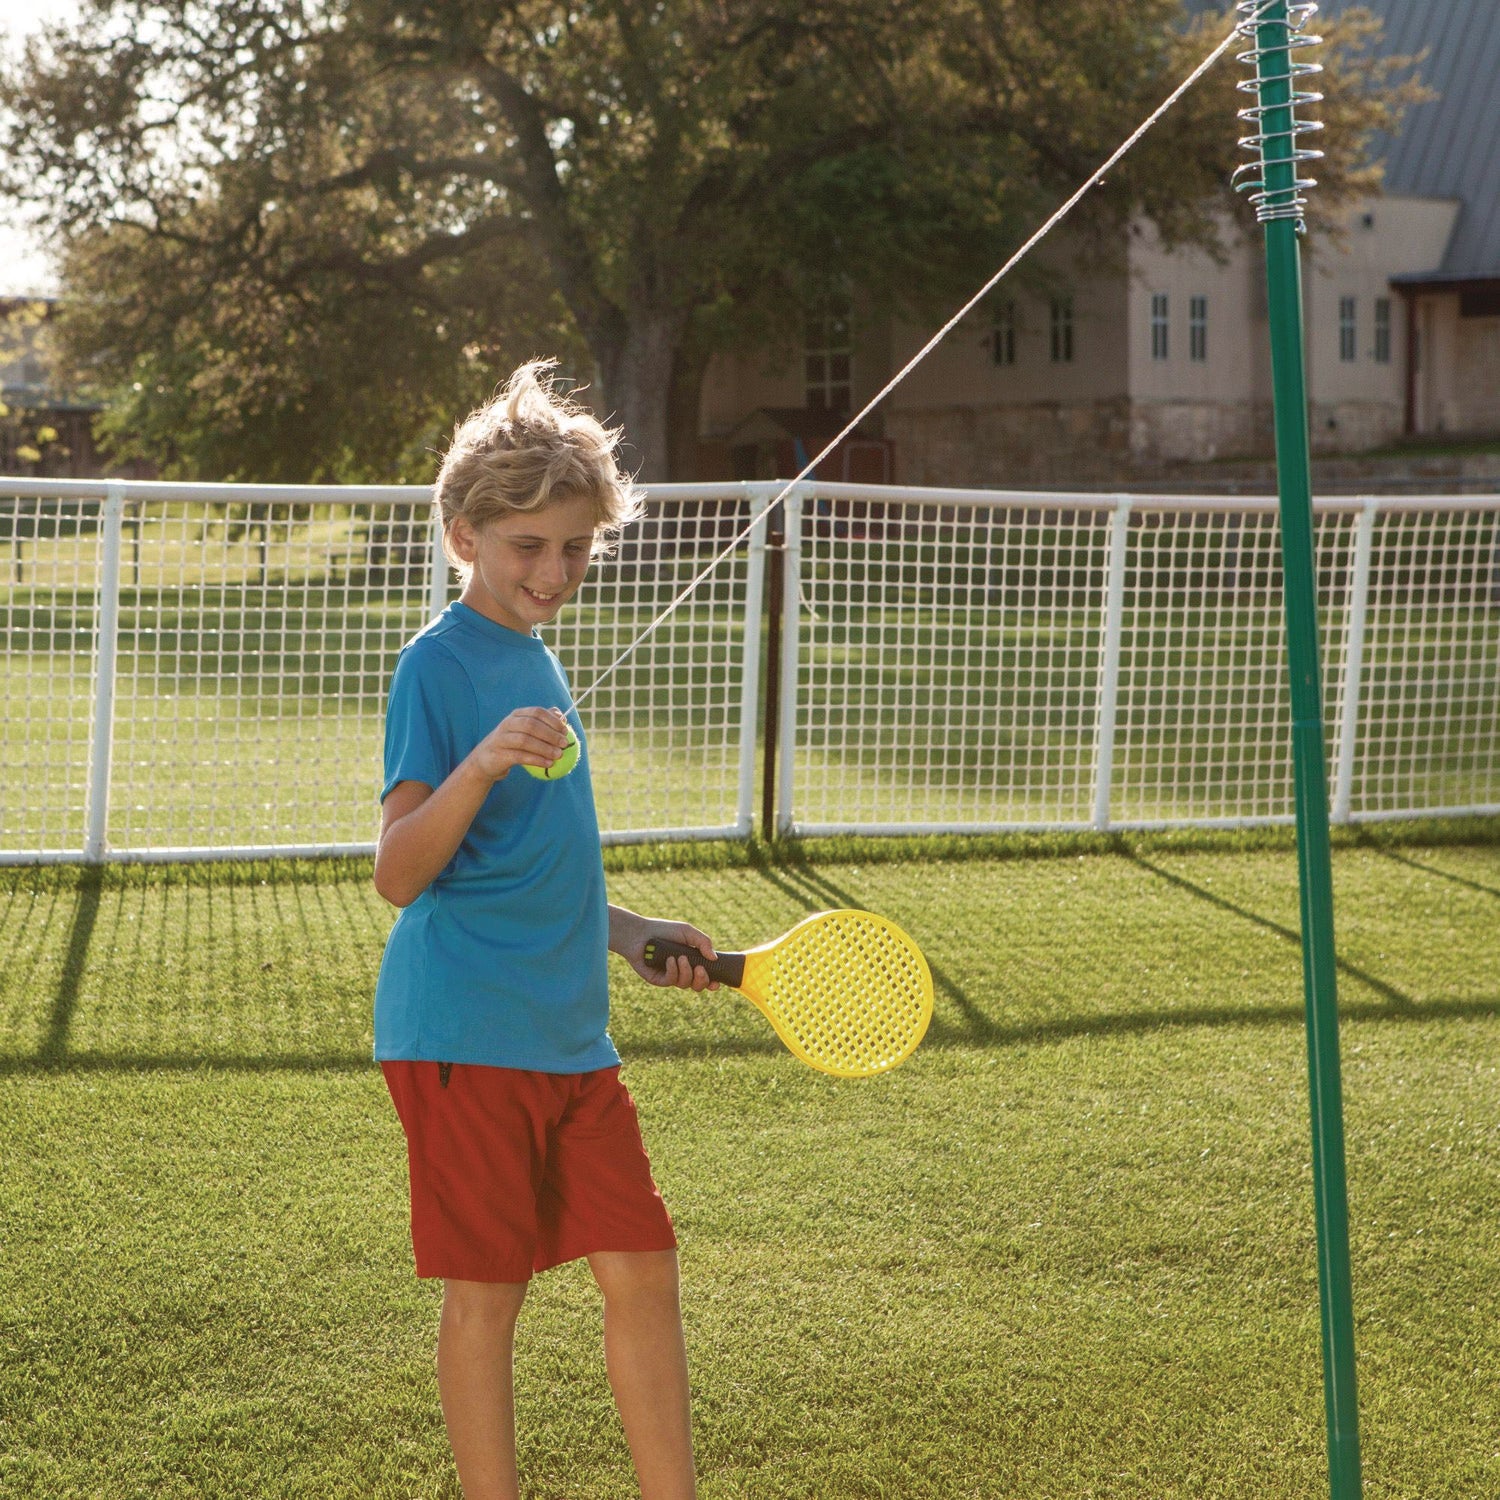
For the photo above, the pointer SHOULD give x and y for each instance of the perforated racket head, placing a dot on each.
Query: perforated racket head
(847, 991)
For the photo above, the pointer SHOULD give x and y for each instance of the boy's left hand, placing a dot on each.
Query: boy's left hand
(629, 934)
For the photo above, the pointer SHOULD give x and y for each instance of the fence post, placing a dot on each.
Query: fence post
(106, 651)
(791, 622)
(437, 574)
(1109, 664)
(755, 593)
(775, 527)
(1354, 663)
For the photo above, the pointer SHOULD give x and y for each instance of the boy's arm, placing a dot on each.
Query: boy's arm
(422, 827)
(629, 932)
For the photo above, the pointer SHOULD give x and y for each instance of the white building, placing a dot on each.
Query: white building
(1168, 360)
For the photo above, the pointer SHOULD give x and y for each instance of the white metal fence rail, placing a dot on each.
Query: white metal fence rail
(199, 671)
(984, 662)
(195, 671)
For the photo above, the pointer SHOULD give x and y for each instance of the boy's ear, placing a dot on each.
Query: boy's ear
(462, 540)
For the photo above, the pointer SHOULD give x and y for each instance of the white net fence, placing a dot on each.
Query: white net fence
(1428, 726)
(215, 674)
(948, 664)
(49, 602)
(1203, 729)
(201, 671)
(672, 729)
(983, 662)
(255, 643)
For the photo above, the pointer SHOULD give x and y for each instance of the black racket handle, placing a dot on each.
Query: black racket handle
(727, 968)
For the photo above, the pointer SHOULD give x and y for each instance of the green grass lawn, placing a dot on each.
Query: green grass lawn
(1065, 1252)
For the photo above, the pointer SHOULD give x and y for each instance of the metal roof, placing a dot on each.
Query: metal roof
(1448, 147)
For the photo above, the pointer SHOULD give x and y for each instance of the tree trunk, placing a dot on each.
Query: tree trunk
(635, 376)
(684, 401)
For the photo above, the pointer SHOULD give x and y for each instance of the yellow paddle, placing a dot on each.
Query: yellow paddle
(847, 991)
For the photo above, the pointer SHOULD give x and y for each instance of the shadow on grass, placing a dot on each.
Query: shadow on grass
(1398, 998)
(65, 999)
(1135, 1023)
(1426, 869)
(167, 1062)
(942, 1037)
(962, 1021)
(818, 885)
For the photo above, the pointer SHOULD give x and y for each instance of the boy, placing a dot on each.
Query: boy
(492, 1003)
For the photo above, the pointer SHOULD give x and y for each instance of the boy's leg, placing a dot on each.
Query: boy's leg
(646, 1358)
(476, 1342)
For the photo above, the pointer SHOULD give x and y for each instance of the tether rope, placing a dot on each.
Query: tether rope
(1095, 179)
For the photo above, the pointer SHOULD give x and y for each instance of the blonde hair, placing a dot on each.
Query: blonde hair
(527, 446)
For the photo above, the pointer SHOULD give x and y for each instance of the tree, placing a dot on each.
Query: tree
(28, 437)
(301, 234)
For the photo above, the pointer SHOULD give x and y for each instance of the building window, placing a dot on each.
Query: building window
(827, 357)
(1382, 330)
(1158, 325)
(1062, 330)
(1348, 342)
(1198, 329)
(1003, 335)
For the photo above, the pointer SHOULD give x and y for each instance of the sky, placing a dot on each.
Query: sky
(23, 265)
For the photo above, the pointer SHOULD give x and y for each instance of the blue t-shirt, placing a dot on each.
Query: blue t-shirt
(503, 958)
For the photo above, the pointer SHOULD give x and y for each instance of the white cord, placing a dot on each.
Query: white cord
(1094, 180)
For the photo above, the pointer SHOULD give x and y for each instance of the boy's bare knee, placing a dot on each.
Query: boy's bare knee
(482, 1305)
(636, 1275)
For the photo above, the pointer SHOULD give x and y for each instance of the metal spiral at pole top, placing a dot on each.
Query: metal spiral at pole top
(1284, 200)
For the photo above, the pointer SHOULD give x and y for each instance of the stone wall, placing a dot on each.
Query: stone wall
(1353, 426)
(1413, 471)
(1196, 431)
(1009, 447)
(1104, 442)
(1049, 443)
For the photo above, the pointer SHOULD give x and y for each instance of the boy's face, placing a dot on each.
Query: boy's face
(528, 564)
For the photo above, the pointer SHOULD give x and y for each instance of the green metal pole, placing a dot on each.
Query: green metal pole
(1294, 482)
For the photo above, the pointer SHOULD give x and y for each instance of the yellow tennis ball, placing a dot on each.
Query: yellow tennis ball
(562, 765)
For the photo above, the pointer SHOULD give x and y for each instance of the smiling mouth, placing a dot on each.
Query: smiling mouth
(540, 598)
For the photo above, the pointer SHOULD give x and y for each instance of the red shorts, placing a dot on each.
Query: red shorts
(514, 1171)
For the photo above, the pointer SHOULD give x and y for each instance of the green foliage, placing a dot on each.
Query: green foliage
(301, 237)
(27, 437)
(323, 380)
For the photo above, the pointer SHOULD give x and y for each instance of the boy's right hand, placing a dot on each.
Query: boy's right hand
(525, 737)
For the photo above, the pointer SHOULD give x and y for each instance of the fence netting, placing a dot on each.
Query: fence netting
(253, 649)
(1003, 662)
(667, 728)
(949, 665)
(952, 661)
(1429, 722)
(49, 602)
(1204, 729)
